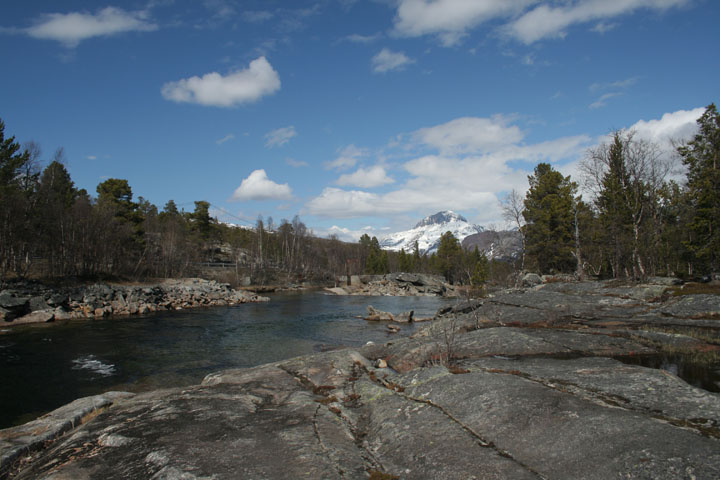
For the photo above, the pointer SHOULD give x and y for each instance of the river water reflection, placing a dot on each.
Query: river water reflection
(45, 366)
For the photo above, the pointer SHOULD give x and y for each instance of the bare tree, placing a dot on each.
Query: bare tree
(512, 210)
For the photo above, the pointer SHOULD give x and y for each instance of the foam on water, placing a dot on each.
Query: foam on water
(89, 362)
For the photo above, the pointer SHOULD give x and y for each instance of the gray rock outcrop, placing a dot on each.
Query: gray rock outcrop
(520, 385)
(28, 302)
(395, 284)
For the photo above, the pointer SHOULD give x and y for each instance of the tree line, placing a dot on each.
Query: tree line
(638, 222)
(51, 228)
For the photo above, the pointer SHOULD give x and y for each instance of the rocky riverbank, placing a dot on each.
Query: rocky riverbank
(32, 302)
(395, 284)
(522, 385)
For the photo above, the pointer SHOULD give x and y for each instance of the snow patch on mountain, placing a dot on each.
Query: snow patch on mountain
(428, 231)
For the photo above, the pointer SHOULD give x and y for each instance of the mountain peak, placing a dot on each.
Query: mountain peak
(427, 232)
(446, 216)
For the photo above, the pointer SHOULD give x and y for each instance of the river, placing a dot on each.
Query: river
(45, 366)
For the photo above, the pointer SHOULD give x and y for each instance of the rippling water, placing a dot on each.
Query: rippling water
(45, 366)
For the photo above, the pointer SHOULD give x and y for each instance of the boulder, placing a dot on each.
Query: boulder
(12, 302)
(38, 316)
(531, 280)
(378, 315)
(57, 300)
(404, 317)
(37, 303)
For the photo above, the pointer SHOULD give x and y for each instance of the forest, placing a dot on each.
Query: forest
(637, 222)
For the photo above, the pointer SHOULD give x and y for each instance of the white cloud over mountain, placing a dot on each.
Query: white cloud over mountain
(237, 88)
(375, 176)
(257, 186)
(470, 162)
(470, 134)
(72, 28)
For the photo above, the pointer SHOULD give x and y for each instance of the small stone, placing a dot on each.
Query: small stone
(113, 440)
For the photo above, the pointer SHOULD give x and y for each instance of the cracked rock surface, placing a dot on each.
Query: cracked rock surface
(534, 396)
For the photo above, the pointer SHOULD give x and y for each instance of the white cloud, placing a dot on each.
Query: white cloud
(357, 38)
(468, 173)
(529, 20)
(258, 186)
(92, 157)
(616, 89)
(479, 158)
(450, 19)
(226, 138)
(366, 178)
(348, 158)
(334, 202)
(279, 136)
(386, 60)
(603, 27)
(671, 127)
(346, 234)
(545, 21)
(470, 134)
(296, 163)
(620, 84)
(72, 28)
(602, 101)
(257, 16)
(213, 89)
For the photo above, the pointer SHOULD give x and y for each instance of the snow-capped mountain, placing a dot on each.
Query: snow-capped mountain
(427, 233)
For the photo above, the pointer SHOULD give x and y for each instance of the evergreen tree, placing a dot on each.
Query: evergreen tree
(377, 259)
(15, 212)
(12, 162)
(202, 223)
(701, 156)
(615, 215)
(116, 194)
(55, 197)
(170, 208)
(549, 217)
(449, 257)
(479, 267)
(405, 261)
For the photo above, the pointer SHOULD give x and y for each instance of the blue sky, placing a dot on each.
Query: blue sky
(358, 115)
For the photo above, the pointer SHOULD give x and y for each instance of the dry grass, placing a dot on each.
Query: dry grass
(693, 288)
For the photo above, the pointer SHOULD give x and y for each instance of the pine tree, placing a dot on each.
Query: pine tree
(701, 156)
(15, 234)
(615, 215)
(549, 217)
(55, 197)
(449, 257)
